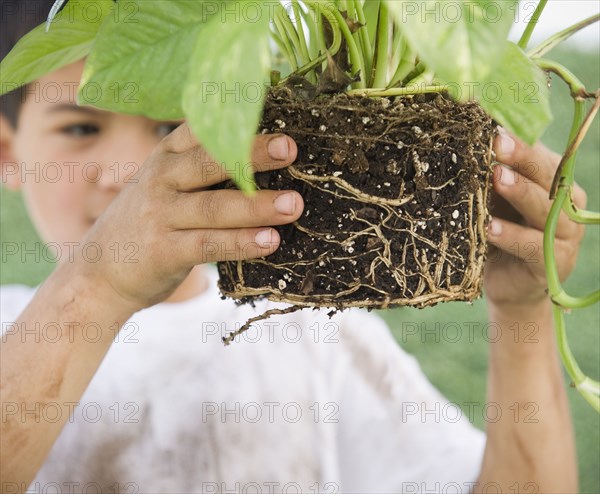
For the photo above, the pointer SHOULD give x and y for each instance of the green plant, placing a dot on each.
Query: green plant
(154, 58)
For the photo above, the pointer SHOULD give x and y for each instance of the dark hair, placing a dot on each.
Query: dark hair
(17, 18)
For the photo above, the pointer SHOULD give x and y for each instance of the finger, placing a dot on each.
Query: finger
(501, 208)
(204, 246)
(518, 241)
(271, 151)
(526, 244)
(179, 141)
(537, 162)
(196, 169)
(530, 200)
(234, 209)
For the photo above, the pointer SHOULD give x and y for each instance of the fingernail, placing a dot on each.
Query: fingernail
(507, 176)
(286, 203)
(264, 238)
(279, 148)
(507, 143)
(495, 228)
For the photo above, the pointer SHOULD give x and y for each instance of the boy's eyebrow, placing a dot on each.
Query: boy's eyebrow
(73, 108)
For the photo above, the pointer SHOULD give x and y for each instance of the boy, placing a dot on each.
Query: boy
(161, 406)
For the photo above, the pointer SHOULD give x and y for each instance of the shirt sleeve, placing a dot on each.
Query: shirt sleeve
(398, 433)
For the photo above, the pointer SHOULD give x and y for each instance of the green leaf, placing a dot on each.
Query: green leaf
(461, 41)
(517, 96)
(141, 56)
(69, 39)
(225, 90)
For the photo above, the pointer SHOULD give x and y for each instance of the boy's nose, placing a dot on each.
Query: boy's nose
(123, 160)
(116, 174)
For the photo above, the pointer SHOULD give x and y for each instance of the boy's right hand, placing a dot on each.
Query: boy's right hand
(175, 223)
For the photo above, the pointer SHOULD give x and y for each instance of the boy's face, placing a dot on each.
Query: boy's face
(72, 161)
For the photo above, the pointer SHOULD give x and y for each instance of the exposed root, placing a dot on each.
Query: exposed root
(396, 205)
(265, 315)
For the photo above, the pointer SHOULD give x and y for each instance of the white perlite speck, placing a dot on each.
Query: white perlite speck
(281, 123)
(366, 120)
(322, 128)
(454, 158)
(455, 213)
(282, 284)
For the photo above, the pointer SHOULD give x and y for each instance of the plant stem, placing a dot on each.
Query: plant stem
(588, 388)
(351, 17)
(311, 24)
(425, 78)
(581, 215)
(279, 42)
(554, 286)
(578, 92)
(553, 41)
(555, 289)
(397, 48)
(289, 51)
(406, 65)
(382, 47)
(569, 207)
(350, 9)
(337, 37)
(531, 24)
(367, 49)
(355, 57)
(300, 30)
(413, 74)
(575, 85)
(292, 35)
(397, 91)
(320, 32)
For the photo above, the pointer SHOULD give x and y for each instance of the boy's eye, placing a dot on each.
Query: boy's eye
(164, 129)
(80, 130)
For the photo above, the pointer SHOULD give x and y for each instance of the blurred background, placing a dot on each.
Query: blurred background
(458, 366)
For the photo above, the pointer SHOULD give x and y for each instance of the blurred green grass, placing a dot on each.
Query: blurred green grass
(457, 369)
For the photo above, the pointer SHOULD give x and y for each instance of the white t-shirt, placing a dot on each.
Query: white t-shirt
(302, 403)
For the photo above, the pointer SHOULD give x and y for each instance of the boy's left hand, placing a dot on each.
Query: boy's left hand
(514, 273)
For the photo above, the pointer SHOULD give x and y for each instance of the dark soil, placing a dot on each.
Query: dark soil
(396, 196)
